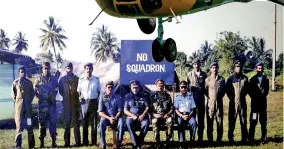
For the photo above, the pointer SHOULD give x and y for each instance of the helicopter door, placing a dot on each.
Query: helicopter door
(149, 6)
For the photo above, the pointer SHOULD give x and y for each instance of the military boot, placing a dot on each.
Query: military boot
(54, 145)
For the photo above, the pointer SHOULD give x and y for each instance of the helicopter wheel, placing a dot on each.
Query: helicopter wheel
(157, 51)
(170, 50)
(147, 25)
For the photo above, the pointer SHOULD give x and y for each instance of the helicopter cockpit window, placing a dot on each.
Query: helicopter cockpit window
(149, 6)
(108, 4)
(130, 9)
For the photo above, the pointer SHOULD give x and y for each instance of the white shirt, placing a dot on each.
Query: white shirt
(89, 88)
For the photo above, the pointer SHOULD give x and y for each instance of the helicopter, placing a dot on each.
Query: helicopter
(146, 12)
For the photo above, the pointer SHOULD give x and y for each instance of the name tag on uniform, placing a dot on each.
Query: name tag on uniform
(29, 121)
(254, 116)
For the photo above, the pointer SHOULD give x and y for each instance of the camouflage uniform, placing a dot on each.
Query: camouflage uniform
(68, 90)
(197, 88)
(46, 90)
(237, 89)
(215, 91)
(23, 94)
(161, 103)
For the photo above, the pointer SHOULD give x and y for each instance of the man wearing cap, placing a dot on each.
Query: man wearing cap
(185, 109)
(196, 83)
(110, 110)
(22, 95)
(237, 89)
(46, 88)
(71, 106)
(136, 109)
(161, 110)
(215, 91)
(259, 89)
(89, 89)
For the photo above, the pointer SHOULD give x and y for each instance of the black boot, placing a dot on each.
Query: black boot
(54, 145)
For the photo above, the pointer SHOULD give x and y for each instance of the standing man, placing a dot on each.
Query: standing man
(71, 106)
(196, 83)
(185, 109)
(259, 88)
(237, 89)
(136, 109)
(161, 110)
(215, 91)
(46, 88)
(89, 89)
(110, 110)
(23, 95)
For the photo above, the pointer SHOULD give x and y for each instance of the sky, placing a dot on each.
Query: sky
(251, 19)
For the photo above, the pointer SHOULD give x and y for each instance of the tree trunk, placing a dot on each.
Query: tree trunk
(54, 54)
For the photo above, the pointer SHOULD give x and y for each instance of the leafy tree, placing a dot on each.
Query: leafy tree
(204, 51)
(20, 42)
(4, 40)
(279, 63)
(230, 47)
(192, 57)
(52, 36)
(104, 45)
(44, 57)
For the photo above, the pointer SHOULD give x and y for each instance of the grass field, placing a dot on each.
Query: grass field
(274, 127)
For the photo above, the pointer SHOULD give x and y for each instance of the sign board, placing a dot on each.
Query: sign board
(137, 64)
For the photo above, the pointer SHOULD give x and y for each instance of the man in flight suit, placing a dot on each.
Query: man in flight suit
(136, 109)
(185, 109)
(215, 91)
(110, 110)
(259, 88)
(46, 88)
(237, 89)
(161, 110)
(196, 83)
(71, 106)
(23, 95)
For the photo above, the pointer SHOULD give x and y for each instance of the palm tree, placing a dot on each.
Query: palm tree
(205, 50)
(52, 35)
(20, 42)
(104, 45)
(4, 40)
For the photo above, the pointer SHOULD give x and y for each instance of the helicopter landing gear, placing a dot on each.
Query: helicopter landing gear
(161, 49)
(147, 25)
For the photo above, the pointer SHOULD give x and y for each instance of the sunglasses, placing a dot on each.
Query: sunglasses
(183, 87)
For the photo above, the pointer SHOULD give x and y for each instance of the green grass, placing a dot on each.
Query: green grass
(274, 127)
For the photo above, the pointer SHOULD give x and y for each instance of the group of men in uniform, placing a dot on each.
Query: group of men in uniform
(83, 102)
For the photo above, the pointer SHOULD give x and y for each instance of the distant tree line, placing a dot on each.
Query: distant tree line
(228, 48)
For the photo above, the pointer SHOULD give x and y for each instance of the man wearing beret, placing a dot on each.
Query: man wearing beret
(23, 95)
(237, 89)
(161, 110)
(215, 91)
(185, 109)
(71, 106)
(46, 89)
(110, 110)
(196, 83)
(136, 109)
(259, 89)
(89, 89)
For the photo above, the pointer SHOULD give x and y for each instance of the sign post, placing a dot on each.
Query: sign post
(137, 64)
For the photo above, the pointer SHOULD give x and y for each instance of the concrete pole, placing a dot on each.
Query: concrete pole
(274, 54)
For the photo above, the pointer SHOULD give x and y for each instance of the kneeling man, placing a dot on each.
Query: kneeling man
(110, 110)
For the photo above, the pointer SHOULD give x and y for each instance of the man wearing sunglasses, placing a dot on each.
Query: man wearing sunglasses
(259, 89)
(196, 83)
(237, 87)
(46, 88)
(23, 95)
(215, 91)
(71, 105)
(161, 110)
(136, 109)
(185, 108)
(110, 110)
